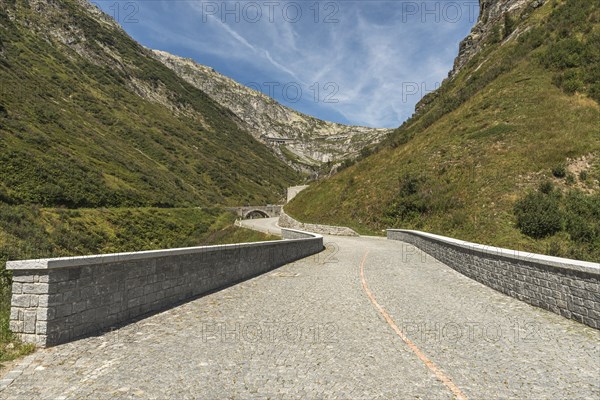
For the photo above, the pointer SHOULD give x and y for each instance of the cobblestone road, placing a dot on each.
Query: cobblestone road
(309, 330)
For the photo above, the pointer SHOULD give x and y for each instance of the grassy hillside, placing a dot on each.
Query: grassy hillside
(507, 153)
(104, 149)
(29, 232)
(89, 118)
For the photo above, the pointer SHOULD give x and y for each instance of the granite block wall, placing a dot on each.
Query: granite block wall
(566, 287)
(57, 300)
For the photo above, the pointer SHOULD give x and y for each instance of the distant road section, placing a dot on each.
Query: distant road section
(266, 225)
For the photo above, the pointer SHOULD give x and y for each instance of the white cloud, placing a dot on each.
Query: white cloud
(371, 54)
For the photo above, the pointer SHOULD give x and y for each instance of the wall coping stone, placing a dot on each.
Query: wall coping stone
(558, 262)
(77, 261)
(287, 221)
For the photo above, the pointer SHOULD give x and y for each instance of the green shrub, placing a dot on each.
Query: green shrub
(509, 25)
(570, 81)
(533, 38)
(546, 187)
(583, 175)
(564, 54)
(583, 217)
(573, 47)
(539, 215)
(411, 201)
(572, 85)
(495, 36)
(365, 152)
(579, 229)
(559, 171)
(594, 92)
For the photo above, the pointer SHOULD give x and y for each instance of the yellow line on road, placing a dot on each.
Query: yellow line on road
(445, 379)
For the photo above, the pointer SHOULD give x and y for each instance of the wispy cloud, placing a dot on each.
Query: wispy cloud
(281, 67)
(231, 32)
(356, 62)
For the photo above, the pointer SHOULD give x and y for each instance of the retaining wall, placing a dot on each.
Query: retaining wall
(292, 191)
(60, 299)
(288, 222)
(566, 287)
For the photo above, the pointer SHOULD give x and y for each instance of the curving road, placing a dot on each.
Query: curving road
(367, 318)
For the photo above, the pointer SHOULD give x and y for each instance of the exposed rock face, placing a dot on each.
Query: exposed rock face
(491, 14)
(302, 141)
(490, 22)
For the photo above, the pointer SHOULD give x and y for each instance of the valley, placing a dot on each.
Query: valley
(120, 165)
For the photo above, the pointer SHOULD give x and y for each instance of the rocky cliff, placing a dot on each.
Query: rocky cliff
(304, 142)
(491, 28)
(489, 23)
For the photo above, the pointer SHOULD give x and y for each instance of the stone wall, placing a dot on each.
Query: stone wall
(57, 300)
(285, 221)
(569, 288)
(271, 211)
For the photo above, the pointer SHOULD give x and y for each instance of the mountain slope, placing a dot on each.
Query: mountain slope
(506, 152)
(309, 142)
(90, 118)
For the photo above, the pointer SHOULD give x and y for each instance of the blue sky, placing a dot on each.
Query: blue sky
(357, 62)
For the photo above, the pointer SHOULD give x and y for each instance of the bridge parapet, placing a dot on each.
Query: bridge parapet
(286, 221)
(268, 211)
(570, 288)
(57, 300)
